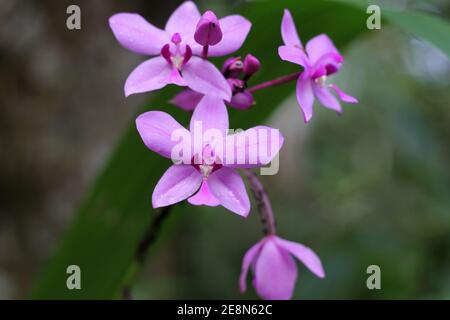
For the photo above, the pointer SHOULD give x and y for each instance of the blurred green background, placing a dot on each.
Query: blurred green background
(369, 187)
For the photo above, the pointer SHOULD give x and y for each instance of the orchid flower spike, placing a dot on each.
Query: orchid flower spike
(320, 60)
(206, 156)
(177, 53)
(274, 269)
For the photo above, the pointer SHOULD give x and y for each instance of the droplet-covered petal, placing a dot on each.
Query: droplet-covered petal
(156, 129)
(183, 21)
(227, 186)
(148, 76)
(136, 34)
(210, 113)
(254, 147)
(202, 76)
(178, 183)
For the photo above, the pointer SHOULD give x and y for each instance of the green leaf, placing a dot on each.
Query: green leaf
(105, 232)
(426, 26)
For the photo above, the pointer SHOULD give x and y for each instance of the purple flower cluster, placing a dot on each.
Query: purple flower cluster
(206, 157)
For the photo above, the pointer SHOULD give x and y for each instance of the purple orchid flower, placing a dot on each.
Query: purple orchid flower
(177, 52)
(274, 269)
(206, 168)
(320, 60)
(237, 73)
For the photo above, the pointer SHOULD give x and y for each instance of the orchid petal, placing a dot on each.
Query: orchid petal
(343, 96)
(210, 113)
(254, 147)
(204, 197)
(136, 34)
(184, 21)
(235, 29)
(328, 64)
(178, 183)
(304, 254)
(249, 259)
(175, 78)
(305, 96)
(187, 99)
(325, 97)
(202, 76)
(156, 129)
(294, 55)
(275, 273)
(319, 46)
(148, 76)
(289, 31)
(229, 188)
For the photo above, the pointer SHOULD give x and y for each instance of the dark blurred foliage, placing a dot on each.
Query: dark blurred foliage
(369, 187)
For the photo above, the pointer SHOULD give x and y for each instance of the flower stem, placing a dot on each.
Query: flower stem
(275, 82)
(148, 239)
(205, 52)
(264, 206)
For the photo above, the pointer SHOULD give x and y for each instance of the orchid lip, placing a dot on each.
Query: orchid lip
(321, 81)
(207, 163)
(178, 59)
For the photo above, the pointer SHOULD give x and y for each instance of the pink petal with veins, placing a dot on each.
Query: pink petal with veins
(148, 76)
(184, 20)
(305, 96)
(229, 188)
(202, 76)
(156, 129)
(204, 197)
(289, 31)
(136, 34)
(178, 183)
(275, 272)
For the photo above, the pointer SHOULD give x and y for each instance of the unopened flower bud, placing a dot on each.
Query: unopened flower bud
(208, 32)
(251, 65)
(232, 67)
(242, 100)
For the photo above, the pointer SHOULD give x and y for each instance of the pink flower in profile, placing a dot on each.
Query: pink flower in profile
(320, 59)
(274, 269)
(206, 168)
(177, 51)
